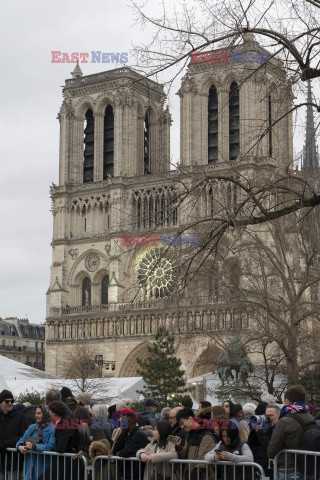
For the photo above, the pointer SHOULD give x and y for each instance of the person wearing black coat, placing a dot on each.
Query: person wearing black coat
(258, 442)
(13, 424)
(66, 442)
(134, 442)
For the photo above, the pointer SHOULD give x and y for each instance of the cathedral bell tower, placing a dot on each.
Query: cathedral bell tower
(230, 99)
(113, 127)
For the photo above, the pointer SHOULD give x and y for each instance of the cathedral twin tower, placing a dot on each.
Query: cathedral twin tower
(115, 179)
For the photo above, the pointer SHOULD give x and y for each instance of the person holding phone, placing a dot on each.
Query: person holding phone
(198, 442)
(157, 453)
(231, 448)
(39, 437)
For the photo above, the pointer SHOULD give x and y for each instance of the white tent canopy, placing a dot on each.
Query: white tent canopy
(20, 378)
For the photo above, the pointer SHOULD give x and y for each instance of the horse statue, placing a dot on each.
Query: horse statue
(234, 363)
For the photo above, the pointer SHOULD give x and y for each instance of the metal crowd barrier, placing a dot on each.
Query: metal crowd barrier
(306, 465)
(294, 465)
(58, 466)
(118, 468)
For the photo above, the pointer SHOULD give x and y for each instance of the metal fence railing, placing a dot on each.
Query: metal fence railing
(118, 468)
(42, 466)
(296, 465)
(287, 465)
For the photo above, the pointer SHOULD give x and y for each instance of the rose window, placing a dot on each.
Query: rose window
(157, 273)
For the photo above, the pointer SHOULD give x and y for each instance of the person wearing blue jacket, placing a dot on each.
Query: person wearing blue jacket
(44, 441)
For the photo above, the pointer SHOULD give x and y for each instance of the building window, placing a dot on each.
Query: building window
(234, 114)
(146, 144)
(86, 292)
(36, 346)
(104, 290)
(270, 125)
(88, 148)
(213, 125)
(108, 143)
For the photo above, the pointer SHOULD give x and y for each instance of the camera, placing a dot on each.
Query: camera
(260, 418)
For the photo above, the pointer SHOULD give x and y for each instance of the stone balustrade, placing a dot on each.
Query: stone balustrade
(122, 323)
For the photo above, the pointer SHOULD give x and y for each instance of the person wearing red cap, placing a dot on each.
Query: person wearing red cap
(127, 410)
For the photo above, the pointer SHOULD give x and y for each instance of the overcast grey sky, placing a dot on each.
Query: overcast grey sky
(30, 100)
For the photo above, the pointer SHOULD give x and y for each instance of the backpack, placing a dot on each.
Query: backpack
(310, 442)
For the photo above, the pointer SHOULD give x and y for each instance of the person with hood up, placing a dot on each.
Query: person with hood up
(157, 453)
(231, 448)
(39, 437)
(149, 407)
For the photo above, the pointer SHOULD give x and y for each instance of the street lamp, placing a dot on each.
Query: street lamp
(98, 360)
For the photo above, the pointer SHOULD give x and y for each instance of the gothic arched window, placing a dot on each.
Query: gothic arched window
(108, 142)
(234, 114)
(213, 125)
(146, 144)
(88, 148)
(104, 290)
(86, 292)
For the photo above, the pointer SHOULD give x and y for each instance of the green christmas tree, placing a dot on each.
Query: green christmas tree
(161, 372)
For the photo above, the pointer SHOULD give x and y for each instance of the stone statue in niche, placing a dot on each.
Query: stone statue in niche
(86, 298)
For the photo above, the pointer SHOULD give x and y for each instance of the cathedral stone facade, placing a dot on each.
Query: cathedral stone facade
(118, 202)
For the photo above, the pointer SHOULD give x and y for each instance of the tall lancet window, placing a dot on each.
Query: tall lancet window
(108, 143)
(213, 125)
(86, 292)
(146, 144)
(270, 125)
(104, 290)
(234, 129)
(88, 148)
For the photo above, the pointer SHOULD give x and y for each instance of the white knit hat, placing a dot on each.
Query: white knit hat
(249, 409)
(123, 403)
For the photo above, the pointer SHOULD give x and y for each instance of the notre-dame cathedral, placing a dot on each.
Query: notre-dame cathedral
(118, 201)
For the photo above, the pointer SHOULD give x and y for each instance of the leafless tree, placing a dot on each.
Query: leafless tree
(291, 32)
(279, 281)
(78, 364)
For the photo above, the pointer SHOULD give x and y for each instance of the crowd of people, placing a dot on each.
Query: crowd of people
(77, 426)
